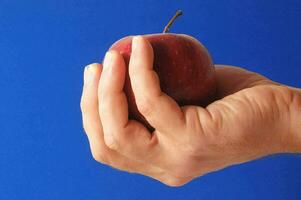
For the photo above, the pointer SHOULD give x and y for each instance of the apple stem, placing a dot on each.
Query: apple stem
(166, 28)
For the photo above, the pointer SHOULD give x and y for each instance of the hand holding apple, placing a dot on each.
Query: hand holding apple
(188, 141)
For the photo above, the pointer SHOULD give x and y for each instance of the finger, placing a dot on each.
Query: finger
(93, 129)
(160, 110)
(89, 108)
(127, 137)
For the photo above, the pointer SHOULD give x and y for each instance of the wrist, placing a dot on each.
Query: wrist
(294, 139)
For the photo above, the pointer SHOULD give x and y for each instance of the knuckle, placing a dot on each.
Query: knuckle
(112, 142)
(175, 182)
(146, 106)
(104, 109)
(99, 156)
(85, 126)
(84, 105)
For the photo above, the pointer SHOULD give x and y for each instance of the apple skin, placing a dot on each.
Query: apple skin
(184, 66)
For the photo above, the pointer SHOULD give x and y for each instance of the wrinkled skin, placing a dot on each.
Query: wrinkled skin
(253, 117)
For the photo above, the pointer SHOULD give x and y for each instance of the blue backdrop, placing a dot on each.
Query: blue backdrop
(44, 46)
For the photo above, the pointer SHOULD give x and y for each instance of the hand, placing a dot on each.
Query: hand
(251, 119)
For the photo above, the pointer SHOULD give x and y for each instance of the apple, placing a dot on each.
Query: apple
(183, 64)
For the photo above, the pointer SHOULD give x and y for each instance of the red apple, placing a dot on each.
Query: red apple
(184, 67)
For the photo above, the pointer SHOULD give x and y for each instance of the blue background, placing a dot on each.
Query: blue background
(44, 46)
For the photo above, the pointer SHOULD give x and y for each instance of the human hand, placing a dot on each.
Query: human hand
(253, 117)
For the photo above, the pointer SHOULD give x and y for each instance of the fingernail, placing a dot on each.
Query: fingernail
(108, 61)
(89, 73)
(135, 42)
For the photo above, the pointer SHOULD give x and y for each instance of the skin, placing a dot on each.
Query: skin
(254, 117)
(179, 78)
